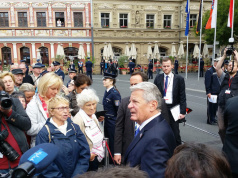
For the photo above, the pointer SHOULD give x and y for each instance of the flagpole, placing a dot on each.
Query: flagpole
(200, 45)
(232, 31)
(186, 74)
(214, 43)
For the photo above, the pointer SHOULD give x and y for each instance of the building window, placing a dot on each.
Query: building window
(59, 19)
(105, 20)
(6, 56)
(167, 21)
(41, 19)
(123, 20)
(22, 19)
(150, 21)
(4, 19)
(25, 54)
(78, 19)
(193, 20)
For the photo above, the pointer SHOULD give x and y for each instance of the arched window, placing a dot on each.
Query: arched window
(6, 56)
(44, 55)
(71, 53)
(25, 54)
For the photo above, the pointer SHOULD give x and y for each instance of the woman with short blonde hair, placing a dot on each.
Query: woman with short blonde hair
(49, 86)
(73, 156)
(9, 82)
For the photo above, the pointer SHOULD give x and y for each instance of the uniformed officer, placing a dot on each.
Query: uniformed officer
(131, 66)
(89, 66)
(176, 64)
(150, 70)
(111, 101)
(212, 86)
(72, 73)
(71, 65)
(80, 66)
(58, 71)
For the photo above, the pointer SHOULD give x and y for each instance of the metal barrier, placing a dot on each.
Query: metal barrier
(106, 157)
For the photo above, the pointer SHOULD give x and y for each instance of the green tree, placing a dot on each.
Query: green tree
(223, 32)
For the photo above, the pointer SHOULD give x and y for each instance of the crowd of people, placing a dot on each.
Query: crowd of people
(143, 128)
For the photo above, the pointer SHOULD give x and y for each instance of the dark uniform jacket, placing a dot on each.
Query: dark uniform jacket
(60, 73)
(89, 66)
(211, 82)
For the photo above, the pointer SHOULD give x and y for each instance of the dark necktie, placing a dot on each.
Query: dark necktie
(166, 85)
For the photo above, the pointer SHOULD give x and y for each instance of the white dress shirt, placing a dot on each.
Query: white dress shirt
(169, 94)
(147, 121)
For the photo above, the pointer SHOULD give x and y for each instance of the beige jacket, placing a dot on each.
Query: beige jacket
(77, 119)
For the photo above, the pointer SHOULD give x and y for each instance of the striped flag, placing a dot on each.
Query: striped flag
(211, 23)
(187, 10)
(230, 16)
(199, 18)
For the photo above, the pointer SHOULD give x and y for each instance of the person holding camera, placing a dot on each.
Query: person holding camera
(229, 86)
(13, 123)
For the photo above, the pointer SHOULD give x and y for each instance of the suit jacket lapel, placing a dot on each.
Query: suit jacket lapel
(140, 135)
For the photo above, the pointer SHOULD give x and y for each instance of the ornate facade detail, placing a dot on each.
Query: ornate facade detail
(60, 33)
(168, 8)
(77, 5)
(42, 33)
(21, 5)
(194, 7)
(23, 32)
(4, 5)
(151, 8)
(124, 7)
(58, 5)
(80, 33)
(5, 33)
(39, 5)
(105, 6)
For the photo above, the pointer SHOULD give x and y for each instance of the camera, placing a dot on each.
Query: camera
(5, 100)
(230, 49)
(5, 148)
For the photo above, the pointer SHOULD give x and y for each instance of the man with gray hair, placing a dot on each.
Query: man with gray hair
(155, 142)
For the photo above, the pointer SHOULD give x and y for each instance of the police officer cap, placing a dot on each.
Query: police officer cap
(17, 71)
(72, 71)
(23, 60)
(109, 75)
(56, 63)
(38, 65)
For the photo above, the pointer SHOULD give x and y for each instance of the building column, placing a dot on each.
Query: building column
(31, 15)
(33, 53)
(12, 15)
(68, 16)
(52, 52)
(14, 52)
(50, 15)
(88, 49)
(87, 15)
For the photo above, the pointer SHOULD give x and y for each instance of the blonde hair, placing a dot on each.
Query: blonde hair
(47, 81)
(4, 74)
(55, 101)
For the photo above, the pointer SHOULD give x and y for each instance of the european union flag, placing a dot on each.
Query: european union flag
(187, 10)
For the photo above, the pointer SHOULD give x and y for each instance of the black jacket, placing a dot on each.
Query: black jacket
(212, 84)
(179, 96)
(19, 122)
(73, 103)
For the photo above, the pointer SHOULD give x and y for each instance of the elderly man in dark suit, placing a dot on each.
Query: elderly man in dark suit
(125, 127)
(154, 142)
(172, 86)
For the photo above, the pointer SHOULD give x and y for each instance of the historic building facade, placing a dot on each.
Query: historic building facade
(32, 29)
(143, 23)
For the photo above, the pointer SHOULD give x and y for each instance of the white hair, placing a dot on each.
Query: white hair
(85, 96)
(150, 92)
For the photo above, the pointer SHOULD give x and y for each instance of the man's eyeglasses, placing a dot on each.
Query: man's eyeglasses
(62, 108)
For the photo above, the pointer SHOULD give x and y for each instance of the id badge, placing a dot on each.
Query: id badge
(228, 91)
(167, 100)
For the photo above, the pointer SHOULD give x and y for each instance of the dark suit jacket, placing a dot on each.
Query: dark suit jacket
(152, 147)
(125, 127)
(179, 96)
(89, 66)
(230, 146)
